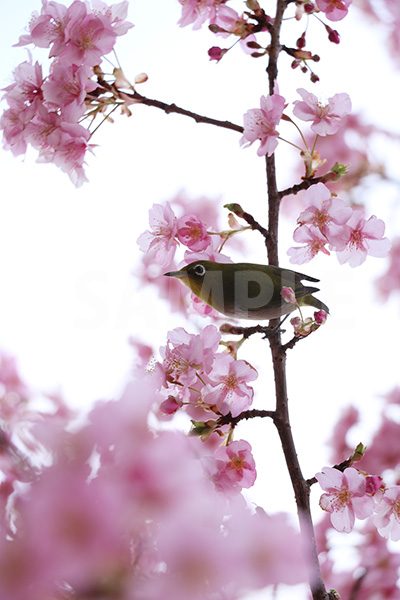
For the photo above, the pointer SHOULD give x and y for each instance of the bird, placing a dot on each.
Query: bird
(247, 290)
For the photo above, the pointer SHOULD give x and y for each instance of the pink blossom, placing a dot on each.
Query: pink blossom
(70, 153)
(192, 232)
(67, 84)
(345, 497)
(327, 213)
(27, 88)
(234, 467)
(364, 237)
(198, 11)
(260, 124)
(48, 27)
(14, 123)
(160, 243)
(326, 118)
(315, 242)
(88, 36)
(335, 10)
(202, 308)
(228, 385)
(116, 15)
(389, 282)
(320, 317)
(187, 355)
(288, 295)
(265, 545)
(210, 253)
(341, 449)
(387, 514)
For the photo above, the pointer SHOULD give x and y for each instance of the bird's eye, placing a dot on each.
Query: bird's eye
(199, 270)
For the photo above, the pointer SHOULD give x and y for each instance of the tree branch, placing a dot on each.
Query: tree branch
(281, 420)
(173, 108)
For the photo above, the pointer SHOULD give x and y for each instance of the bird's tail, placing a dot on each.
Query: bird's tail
(315, 302)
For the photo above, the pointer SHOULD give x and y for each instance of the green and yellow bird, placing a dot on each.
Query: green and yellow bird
(247, 290)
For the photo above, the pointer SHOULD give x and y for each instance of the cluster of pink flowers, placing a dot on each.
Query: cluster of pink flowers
(192, 231)
(45, 111)
(328, 221)
(122, 510)
(208, 385)
(352, 493)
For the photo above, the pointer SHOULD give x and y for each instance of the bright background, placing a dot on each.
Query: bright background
(69, 299)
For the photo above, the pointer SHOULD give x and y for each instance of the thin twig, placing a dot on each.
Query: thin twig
(237, 210)
(307, 183)
(247, 414)
(247, 331)
(340, 467)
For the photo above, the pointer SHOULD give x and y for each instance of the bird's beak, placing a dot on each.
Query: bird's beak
(178, 274)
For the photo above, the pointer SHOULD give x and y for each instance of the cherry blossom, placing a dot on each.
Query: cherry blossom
(288, 295)
(228, 385)
(387, 514)
(326, 118)
(186, 355)
(326, 212)
(345, 497)
(364, 237)
(335, 10)
(314, 242)
(260, 124)
(389, 282)
(67, 84)
(160, 243)
(192, 232)
(196, 12)
(234, 467)
(27, 89)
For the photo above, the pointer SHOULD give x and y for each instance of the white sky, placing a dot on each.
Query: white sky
(69, 301)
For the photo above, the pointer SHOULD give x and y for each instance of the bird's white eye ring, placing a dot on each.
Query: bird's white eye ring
(199, 270)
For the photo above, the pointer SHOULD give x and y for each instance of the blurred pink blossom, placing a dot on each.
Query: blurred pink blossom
(387, 514)
(197, 12)
(192, 232)
(160, 242)
(389, 282)
(314, 242)
(335, 10)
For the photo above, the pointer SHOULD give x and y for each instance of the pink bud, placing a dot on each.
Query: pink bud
(333, 35)
(320, 317)
(301, 42)
(309, 8)
(216, 53)
(169, 406)
(288, 295)
(373, 484)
